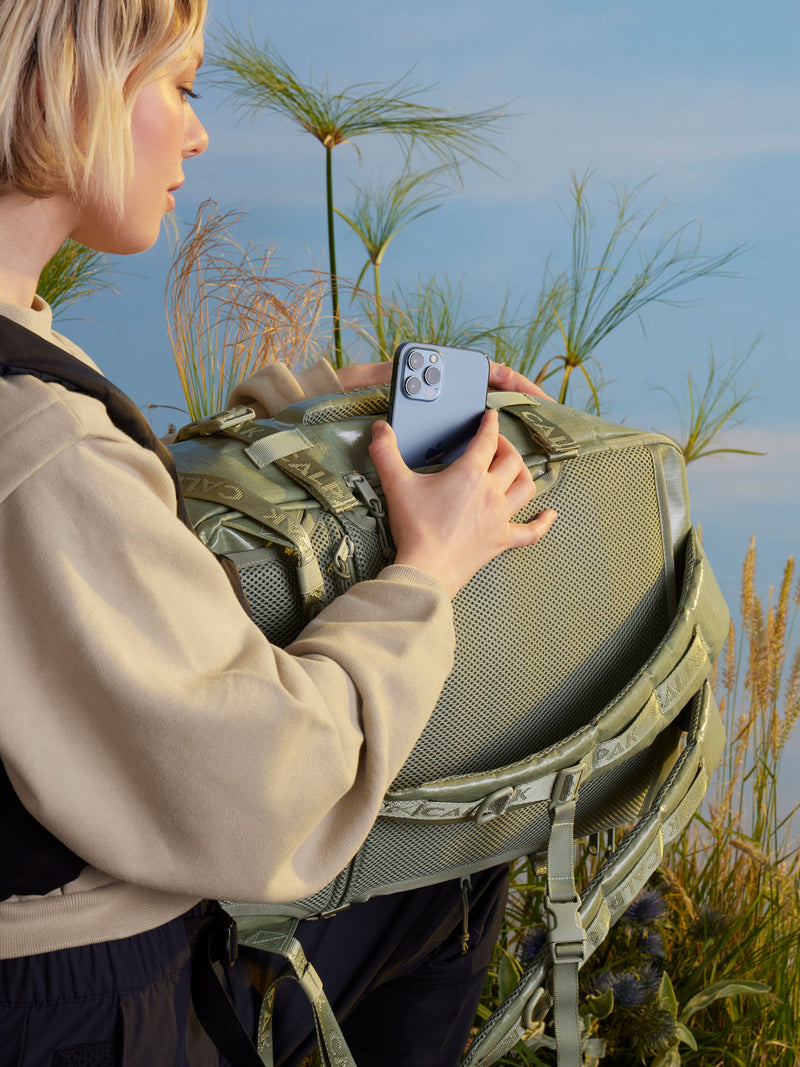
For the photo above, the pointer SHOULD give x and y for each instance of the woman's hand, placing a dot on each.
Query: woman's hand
(453, 522)
(362, 375)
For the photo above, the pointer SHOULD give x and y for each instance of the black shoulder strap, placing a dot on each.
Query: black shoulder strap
(33, 860)
(25, 352)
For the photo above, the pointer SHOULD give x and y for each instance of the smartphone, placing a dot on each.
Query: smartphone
(437, 399)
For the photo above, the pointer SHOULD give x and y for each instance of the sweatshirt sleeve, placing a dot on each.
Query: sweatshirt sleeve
(153, 728)
(275, 387)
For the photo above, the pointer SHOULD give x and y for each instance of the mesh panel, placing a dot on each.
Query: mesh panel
(399, 852)
(592, 606)
(354, 407)
(272, 588)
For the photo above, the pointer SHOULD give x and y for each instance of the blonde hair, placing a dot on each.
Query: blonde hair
(70, 72)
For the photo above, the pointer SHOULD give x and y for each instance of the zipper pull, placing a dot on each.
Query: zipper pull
(466, 889)
(359, 485)
(343, 554)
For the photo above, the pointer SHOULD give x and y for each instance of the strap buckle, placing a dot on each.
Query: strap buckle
(224, 940)
(565, 787)
(494, 805)
(222, 420)
(565, 933)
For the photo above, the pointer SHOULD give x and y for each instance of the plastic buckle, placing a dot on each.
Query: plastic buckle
(493, 805)
(565, 787)
(530, 1018)
(225, 943)
(565, 933)
(224, 420)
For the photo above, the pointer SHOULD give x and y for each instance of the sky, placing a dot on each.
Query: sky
(700, 100)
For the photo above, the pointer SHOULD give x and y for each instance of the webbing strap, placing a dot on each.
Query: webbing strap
(201, 486)
(666, 699)
(287, 450)
(332, 1046)
(272, 446)
(553, 440)
(565, 934)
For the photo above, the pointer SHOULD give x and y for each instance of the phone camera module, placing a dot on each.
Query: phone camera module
(412, 385)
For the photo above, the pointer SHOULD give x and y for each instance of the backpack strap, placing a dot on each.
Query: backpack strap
(616, 883)
(275, 933)
(24, 352)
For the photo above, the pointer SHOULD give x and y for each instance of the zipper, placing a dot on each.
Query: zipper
(466, 889)
(342, 556)
(359, 485)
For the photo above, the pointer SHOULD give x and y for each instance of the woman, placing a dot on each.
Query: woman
(150, 737)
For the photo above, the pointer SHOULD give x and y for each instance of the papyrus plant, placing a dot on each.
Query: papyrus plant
(259, 79)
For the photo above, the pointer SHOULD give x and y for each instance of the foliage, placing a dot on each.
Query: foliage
(608, 286)
(701, 969)
(72, 274)
(433, 309)
(379, 215)
(260, 79)
(229, 312)
(714, 409)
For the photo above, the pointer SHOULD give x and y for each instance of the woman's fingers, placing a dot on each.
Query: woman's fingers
(528, 533)
(510, 380)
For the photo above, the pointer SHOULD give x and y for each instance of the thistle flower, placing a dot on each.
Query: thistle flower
(648, 907)
(650, 977)
(709, 925)
(629, 989)
(656, 1033)
(651, 942)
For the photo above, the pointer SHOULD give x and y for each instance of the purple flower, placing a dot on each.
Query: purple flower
(709, 924)
(648, 907)
(629, 989)
(650, 977)
(656, 1033)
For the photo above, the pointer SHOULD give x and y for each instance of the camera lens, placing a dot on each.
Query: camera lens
(432, 375)
(412, 385)
(415, 359)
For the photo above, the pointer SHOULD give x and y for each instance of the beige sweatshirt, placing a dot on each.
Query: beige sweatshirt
(146, 721)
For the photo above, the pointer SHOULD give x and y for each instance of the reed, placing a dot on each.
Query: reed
(231, 311)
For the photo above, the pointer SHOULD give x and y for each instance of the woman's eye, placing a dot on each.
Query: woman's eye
(187, 92)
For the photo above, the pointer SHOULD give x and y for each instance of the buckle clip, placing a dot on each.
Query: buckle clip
(225, 942)
(565, 787)
(565, 933)
(494, 805)
(222, 420)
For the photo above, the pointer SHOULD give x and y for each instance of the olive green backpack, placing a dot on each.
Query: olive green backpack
(579, 702)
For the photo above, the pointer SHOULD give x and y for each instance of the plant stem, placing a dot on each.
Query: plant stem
(337, 334)
(562, 394)
(376, 268)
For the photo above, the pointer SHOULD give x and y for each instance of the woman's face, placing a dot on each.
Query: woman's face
(165, 132)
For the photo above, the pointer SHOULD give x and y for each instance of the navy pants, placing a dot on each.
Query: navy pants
(394, 970)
